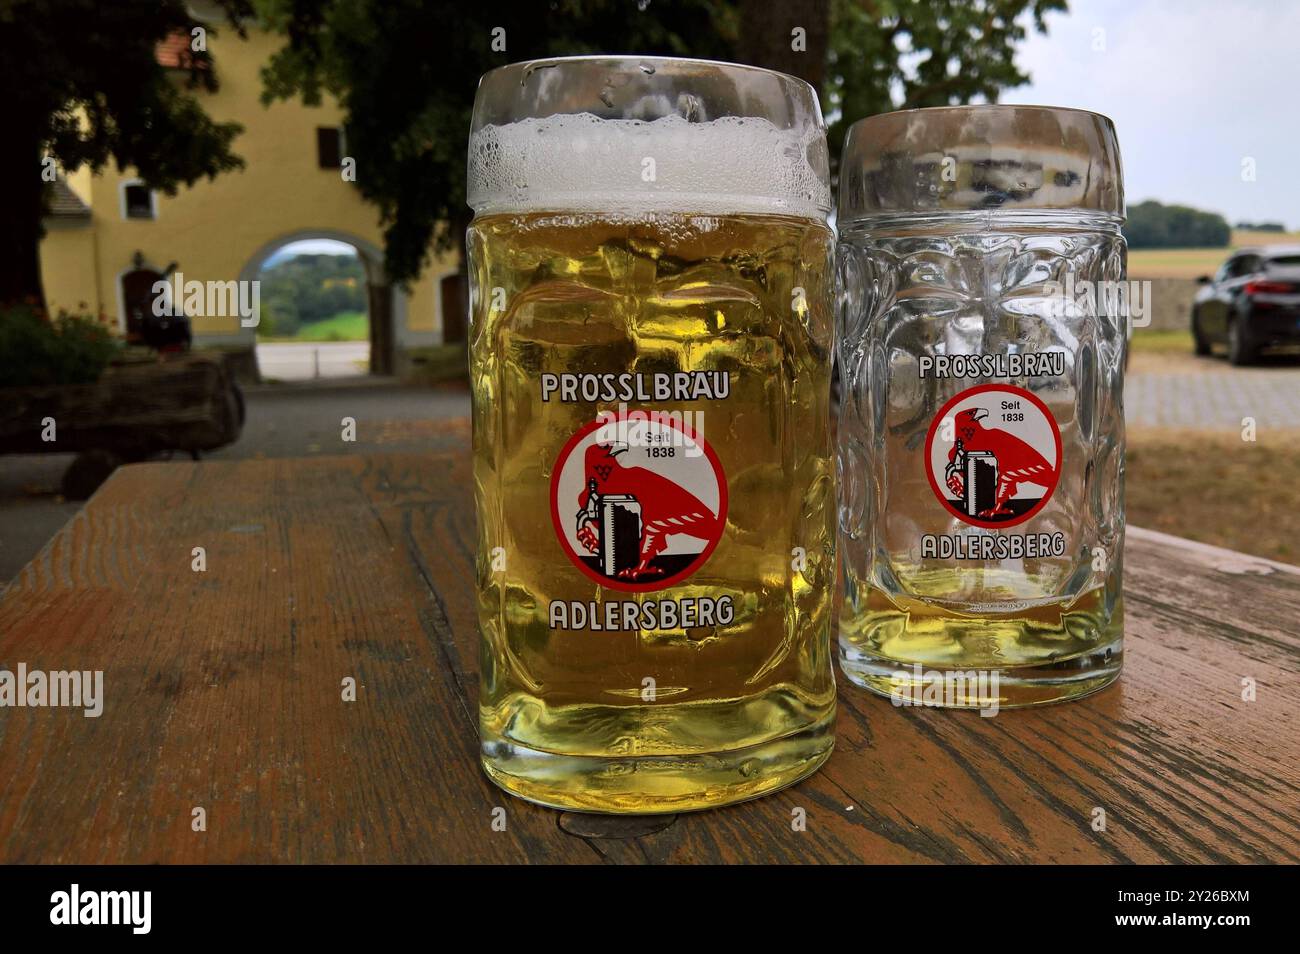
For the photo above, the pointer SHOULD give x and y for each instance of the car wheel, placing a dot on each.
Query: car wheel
(1240, 350)
(1200, 345)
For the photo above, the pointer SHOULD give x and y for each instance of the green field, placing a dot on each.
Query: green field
(1157, 341)
(345, 326)
(1194, 262)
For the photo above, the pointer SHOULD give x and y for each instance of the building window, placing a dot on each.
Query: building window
(138, 201)
(329, 147)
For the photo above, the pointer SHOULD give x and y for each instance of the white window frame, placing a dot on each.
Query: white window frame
(121, 200)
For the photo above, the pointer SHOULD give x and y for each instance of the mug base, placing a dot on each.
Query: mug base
(911, 683)
(656, 784)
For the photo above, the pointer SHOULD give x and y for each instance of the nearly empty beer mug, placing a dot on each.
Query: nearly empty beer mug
(650, 352)
(981, 436)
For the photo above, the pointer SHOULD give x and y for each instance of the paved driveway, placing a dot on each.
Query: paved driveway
(306, 360)
(1184, 391)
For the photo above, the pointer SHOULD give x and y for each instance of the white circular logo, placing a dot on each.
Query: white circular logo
(993, 455)
(638, 504)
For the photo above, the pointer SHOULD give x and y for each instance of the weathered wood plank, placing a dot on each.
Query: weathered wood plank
(224, 692)
(223, 687)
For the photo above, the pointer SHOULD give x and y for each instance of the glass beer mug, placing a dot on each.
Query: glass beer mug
(981, 433)
(650, 349)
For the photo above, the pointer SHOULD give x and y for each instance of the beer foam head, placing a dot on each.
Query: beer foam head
(579, 162)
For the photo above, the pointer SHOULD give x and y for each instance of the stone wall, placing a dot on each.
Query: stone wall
(1171, 302)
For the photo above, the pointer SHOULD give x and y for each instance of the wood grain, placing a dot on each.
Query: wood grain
(224, 692)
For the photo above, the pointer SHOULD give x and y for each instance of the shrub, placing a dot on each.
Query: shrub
(66, 349)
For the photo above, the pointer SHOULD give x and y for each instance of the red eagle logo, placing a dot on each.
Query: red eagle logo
(1017, 461)
(665, 507)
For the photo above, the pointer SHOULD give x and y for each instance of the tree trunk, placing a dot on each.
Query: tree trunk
(767, 37)
(20, 221)
(382, 337)
(455, 288)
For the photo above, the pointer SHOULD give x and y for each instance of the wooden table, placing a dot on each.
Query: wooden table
(223, 692)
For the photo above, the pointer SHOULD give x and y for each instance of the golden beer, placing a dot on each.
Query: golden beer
(654, 483)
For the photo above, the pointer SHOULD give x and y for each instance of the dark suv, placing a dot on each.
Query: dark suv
(1252, 303)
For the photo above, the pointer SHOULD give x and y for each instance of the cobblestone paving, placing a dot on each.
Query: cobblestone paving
(1209, 394)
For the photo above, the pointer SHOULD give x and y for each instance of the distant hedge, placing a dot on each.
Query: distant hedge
(1154, 225)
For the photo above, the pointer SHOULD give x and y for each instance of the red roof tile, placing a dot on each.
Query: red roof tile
(174, 52)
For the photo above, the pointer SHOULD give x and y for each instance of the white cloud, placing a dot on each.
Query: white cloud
(1193, 87)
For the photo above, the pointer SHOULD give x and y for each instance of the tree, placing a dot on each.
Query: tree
(405, 72)
(788, 37)
(82, 85)
(907, 54)
(1154, 225)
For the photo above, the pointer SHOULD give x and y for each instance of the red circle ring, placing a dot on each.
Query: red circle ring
(929, 442)
(665, 581)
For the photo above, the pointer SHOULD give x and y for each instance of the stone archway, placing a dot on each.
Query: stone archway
(386, 303)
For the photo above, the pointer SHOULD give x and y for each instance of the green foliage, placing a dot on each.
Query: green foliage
(1153, 225)
(345, 326)
(279, 315)
(67, 349)
(86, 71)
(909, 54)
(299, 291)
(83, 86)
(405, 72)
(1261, 226)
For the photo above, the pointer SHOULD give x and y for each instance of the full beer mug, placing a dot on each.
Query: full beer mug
(651, 344)
(981, 433)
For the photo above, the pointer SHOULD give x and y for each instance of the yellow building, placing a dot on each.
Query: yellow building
(108, 237)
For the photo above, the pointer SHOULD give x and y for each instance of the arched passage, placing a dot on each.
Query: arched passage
(386, 304)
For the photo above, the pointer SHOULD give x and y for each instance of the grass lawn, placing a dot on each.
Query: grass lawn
(345, 326)
(1192, 262)
(1217, 488)
(1151, 340)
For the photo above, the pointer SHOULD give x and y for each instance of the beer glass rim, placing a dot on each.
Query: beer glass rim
(622, 59)
(607, 132)
(998, 156)
(972, 107)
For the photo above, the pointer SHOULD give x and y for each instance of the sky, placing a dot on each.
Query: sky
(1195, 87)
(309, 247)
